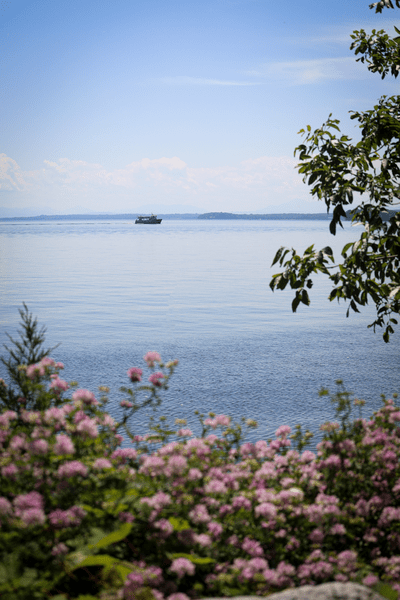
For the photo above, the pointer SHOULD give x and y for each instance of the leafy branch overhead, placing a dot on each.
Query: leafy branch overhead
(340, 173)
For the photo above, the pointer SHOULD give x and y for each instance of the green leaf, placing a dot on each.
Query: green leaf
(305, 298)
(196, 560)
(28, 577)
(115, 536)
(385, 590)
(179, 524)
(295, 302)
(123, 570)
(96, 560)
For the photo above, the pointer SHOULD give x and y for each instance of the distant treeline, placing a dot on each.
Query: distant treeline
(127, 216)
(279, 216)
(211, 215)
(284, 216)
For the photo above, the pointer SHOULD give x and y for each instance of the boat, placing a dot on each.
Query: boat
(152, 220)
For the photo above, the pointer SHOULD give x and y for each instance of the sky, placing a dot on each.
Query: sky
(173, 105)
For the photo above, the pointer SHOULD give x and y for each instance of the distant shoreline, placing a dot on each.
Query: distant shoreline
(205, 216)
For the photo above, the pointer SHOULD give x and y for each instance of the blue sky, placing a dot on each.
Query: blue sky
(172, 105)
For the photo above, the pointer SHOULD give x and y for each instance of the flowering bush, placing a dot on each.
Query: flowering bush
(80, 516)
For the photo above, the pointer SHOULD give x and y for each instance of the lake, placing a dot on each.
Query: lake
(196, 290)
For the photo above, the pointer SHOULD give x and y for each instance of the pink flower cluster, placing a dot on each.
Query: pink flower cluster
(156, 378)
(135, 374)
(151, 358)
(268, 516)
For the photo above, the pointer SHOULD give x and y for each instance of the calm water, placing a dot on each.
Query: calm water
(197, 291)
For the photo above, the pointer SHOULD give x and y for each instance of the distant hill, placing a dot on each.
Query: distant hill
(278, 216)
(93, 217)
(206, 216)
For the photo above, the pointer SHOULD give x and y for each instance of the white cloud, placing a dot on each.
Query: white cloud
(251, 185)
(301, 72)
(11, 177)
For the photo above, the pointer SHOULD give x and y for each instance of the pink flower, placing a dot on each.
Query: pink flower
(158, 501)
(102, 463)
(54, 414)
(5, 506)
(65, 518)
(18, 442)
(31, 500)
(36, 370)
(218, 420)
(6, 417)
(123, 454)
(85, 396)
(182, 566)
(316, 536)
(338, 529)
(135, 374)
(155, 378)
(165, 526)
(307, 456)
(33, 516)
(108, 421)
(59, 549)
(63, 445)
(177, 464)
(241, 502)
(185, 433)
(126, 517)
(9, 471)
(252, 547)
(39, 447)
(266, 509)
(88, 427)
(59, 385)
(72, 469)
(215, 528)
(200, 514)
(194, 474)
(370, 580)
(215, 486)
(151, 358)
(47, 362)
(126, 404)
(283, 430)
(202, 539)
(153, 465)
(178, 596)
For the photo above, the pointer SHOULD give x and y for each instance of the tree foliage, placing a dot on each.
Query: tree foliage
(342, 172)
(27, 350)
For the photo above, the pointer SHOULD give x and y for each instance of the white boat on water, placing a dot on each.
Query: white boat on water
(152, 220)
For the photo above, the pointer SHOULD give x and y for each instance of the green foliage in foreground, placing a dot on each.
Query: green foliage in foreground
(178, 517)
(368, 171)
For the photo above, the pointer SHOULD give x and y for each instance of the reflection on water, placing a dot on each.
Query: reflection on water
(197, 291)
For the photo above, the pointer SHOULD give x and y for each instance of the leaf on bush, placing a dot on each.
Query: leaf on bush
(231, 592)
(123, 569)
(196, 560)
(385, 590)
(115, 536)
(179, 524)
(98, 512)
(96, 560)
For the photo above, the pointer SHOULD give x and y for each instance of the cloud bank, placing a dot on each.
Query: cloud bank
(65, 184)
